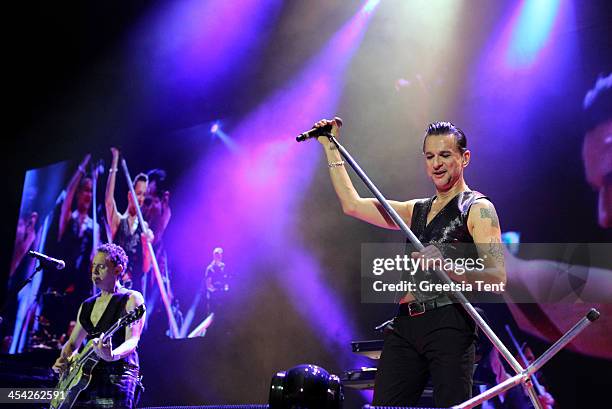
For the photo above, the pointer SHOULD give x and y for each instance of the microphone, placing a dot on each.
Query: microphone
(49, 261)
(316, 132)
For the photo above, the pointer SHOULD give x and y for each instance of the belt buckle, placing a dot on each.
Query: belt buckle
(414, 313)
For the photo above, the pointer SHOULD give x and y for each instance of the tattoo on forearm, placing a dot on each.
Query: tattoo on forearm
(486, 213)
(496, 251)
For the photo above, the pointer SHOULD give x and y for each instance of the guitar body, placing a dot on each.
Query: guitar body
(78, 375)
(73, 382)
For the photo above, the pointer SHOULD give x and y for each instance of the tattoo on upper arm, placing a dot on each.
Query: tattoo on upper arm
(487, 213)
(496, 251)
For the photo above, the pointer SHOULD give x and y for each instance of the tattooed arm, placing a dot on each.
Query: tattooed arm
(483, 225)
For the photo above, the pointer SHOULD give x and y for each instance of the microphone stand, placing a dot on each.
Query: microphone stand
(18, 288)
(162, 289)
(96, 228)
(534, 380)
(522, 373)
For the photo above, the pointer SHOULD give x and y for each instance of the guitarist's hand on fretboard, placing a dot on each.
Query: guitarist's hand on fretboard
(104, 349)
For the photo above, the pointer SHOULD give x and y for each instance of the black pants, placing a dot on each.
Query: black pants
(438, 343)
(112, 386)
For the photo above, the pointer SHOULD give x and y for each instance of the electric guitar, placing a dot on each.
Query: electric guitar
(78, 375)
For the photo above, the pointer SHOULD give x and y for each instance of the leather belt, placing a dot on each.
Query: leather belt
(416, 308)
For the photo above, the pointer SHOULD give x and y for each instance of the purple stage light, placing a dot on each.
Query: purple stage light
(531, 30)
(227, 141)
(217, 132)
(529, 53)
(190, 44)
(249, 202)
(214, 128)
(526, 37)
(369, 6)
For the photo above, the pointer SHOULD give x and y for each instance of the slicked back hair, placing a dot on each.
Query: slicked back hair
(159, 177)
(447, 128)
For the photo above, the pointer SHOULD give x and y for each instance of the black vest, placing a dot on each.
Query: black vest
(448, 226)
(131, 243)
(114, 310)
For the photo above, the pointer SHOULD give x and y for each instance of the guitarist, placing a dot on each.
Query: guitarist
(116, 376)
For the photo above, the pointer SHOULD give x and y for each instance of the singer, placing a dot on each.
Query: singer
(125, 228)
(430, 336)
(70, 238)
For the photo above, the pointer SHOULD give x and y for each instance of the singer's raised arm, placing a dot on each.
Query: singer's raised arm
(112, 214)
(366, 209)
(71, 190)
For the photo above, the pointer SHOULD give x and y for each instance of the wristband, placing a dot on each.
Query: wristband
(336, 164)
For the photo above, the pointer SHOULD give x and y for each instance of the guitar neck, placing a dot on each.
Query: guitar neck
(88, 350)
(121, 323)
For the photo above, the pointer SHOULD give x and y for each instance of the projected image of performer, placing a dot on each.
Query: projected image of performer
(26, 235)
(125, 228)
(71, 239)
(157, 212)
(550, 282)
(115, 377)
(217, 282)
(430, 335)
(597, 145)
(24, 238)
(156, 208)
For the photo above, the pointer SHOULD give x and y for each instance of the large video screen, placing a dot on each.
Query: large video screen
(70, 208)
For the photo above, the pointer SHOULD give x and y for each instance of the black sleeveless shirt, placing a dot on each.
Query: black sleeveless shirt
(448, 226)
(131, 243)
(114, 310)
